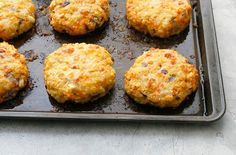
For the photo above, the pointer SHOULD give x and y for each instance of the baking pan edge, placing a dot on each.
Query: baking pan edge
(213, 60)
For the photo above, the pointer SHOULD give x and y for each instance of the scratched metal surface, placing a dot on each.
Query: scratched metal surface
(124, 43)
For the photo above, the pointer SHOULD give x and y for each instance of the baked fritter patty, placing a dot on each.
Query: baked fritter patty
(16, 17)
(79, 73)
(78, 17)
(159, 18)
(162, 78)
(13, 72)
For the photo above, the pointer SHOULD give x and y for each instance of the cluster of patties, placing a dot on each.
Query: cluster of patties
(13, 72)
(16, 17)
(159, 18)
(78, 17)
(162, 78)
(82, 72)
(79, 73)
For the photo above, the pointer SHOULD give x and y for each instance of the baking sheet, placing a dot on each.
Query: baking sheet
(125, 44)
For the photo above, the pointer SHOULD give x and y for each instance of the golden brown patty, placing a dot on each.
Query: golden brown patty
(16, 17)
(162, 78)
(13, 72)
(79, 73)
(160, 18)
(78, 17)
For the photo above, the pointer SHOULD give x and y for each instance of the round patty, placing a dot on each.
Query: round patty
(13, 72)
(79, 73)
(159, 18)
(16, 17)
(162, 78)
(78, 17)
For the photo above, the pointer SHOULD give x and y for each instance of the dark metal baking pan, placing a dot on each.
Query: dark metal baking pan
(198, 43)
